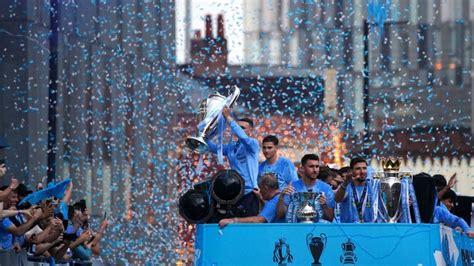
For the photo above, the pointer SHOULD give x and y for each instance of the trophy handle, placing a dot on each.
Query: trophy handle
(407, 175)
(324, 237)
(308, 239)
(235, 94)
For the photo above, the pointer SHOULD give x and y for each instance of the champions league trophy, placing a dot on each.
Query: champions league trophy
(392, 191)
(207, 118)
(304, 207)
(316, 246)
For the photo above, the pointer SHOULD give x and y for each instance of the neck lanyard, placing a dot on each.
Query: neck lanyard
(360, 205)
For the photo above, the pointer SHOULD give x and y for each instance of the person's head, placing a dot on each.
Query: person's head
(358, 166)
(270, 146)
(310, 165)
(268, 185)
(12, 198)
(300, 171)
(338, 180)
(326, 175)
(80, 212)
(449, 199)
(246, 124)
(44, 222)
(440, 182)
(344, 170)
(23, 191)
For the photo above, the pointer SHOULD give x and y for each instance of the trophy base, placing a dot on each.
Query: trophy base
(316, 264)
(197, 144)
(349, 261)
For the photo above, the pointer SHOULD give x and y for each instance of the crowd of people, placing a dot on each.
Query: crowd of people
(47, 226)
(346, 193)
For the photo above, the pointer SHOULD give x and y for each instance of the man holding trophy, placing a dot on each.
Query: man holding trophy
(309, 183)
(243, 158)
(242, 155)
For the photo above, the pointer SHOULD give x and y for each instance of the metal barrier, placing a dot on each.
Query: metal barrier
(12, 258)
(43, 261)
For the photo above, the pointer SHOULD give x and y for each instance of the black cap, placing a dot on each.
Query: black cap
(22, 190)
(80, 205)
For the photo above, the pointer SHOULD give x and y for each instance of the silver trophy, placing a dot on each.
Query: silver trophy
(209, 110)
(305, 207)
(390, 193)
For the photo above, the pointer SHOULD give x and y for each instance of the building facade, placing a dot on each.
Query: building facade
(420, 55)
(107, 122)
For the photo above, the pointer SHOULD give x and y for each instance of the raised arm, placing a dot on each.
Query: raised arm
(340, 193)
(20, 230)
(94, 245)
(452, 181)
(13, 185)
(282, 205)
(60, 251)
(250, 143)
(10, 213)
(81, 239)
(41, 248)
(67, 194)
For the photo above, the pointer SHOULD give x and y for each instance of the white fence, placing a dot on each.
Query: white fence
(464, 169)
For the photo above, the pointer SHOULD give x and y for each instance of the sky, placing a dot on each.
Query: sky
(233, 19)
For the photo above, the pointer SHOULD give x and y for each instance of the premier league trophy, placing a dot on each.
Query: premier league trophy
(316, 247)
(207, 118)
(393, 194)
(304, 207)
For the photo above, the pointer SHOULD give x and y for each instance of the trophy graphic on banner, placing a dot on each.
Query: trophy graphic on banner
(316, 246)
(349, 256)
(208, 117)
(392, 192)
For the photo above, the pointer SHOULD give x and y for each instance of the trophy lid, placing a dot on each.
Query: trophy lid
(391, 164)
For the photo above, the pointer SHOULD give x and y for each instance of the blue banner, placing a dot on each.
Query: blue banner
(332, 244)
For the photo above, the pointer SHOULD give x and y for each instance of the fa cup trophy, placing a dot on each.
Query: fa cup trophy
(207, 118)
(391, 189)
(349, 256)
